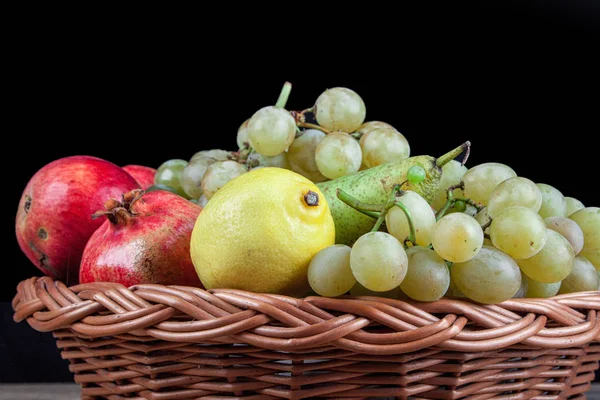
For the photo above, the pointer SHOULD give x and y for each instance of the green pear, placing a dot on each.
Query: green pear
(374, 186)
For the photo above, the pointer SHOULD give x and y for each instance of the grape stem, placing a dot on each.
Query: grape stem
(313, 126)
(411, 226)
(387, 207)
(486, 225)
(470, 202)
(452, 154)
(284, 95)
(371, 210)
(449, 200)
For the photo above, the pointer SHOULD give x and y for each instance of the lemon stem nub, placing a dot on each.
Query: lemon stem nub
(311, 199)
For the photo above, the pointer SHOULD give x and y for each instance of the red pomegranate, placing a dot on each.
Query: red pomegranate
(54, 218)
(142, 174)
(145, 238)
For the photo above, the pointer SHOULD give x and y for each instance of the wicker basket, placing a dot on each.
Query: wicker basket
(159, 342)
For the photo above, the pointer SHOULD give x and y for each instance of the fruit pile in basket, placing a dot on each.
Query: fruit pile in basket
(319, 201)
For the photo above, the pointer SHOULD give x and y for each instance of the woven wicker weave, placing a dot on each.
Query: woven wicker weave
(157, 342)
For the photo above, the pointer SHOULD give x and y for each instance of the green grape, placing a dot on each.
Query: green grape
(191, 177)
(427, 277)
(588, 220)
(518, 231)
(383, 145)
(482, 179)
(453, 291)
(170, 174)
(553, 263)
(279, 161)
(483, 218)
(569, 229)
(583, 278)
(371, 125)
(301, 155)
(396, 293)
(457, 237)
(271, 130)
(553, 202)
(338, 154)
(573, 205)
(421, 214)
(490, 277)
(218, 174)
(452, 173)
(378, 261)
(340, 109)
(416, 174)
(329, 272)
(242, 135)
(161, 187)
(540, 290)
(202, 201)
(516, 191)
(215, 155)
(522, 292)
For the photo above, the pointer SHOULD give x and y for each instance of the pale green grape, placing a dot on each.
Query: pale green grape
(483, 218)
(218, 174)
(378, 261)
(202, 201)
(428, 276)
(553, 263)
(370, 125)
(588, 220)
(383, 145)
(214, 154)
(518, 231)
(170, 173)
(482, 179)
(516, 191)
(359, 290)
(452, 173)
(301, 155)
(421, 214)
(457, 237)
(583, 278)
(522, 292)
(490, 277)
(271, 130)
(191, 177)
(453, 291)
(553, 202)
(242, 135)
(279, 161)
(329, 272)
(573, 205)
(340, 109)
(540, 290)
(569, 229)
(338, 154)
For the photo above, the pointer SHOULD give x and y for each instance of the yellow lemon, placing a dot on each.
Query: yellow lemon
(260, 231)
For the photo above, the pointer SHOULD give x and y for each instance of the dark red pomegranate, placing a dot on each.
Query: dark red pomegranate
(145, 238)
(142, 174)
(54, 219)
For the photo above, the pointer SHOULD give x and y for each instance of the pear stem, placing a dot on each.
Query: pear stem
(313, 126)
(452, 154)
(284, 95)
(371, 210)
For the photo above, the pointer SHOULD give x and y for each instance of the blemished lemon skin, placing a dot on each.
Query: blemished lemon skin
(259, 234)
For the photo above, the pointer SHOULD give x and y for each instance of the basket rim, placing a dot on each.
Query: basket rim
(362, 324)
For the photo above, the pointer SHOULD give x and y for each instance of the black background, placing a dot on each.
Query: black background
(520, 82)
